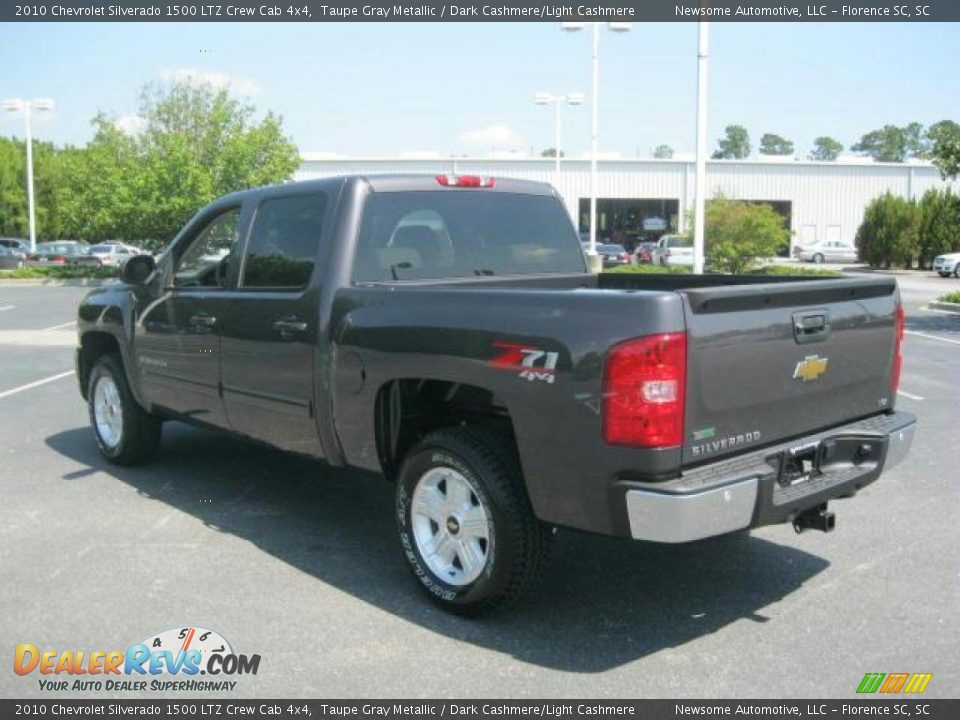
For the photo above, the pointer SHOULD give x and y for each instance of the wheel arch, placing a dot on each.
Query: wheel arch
(94, 345)
(407, 409)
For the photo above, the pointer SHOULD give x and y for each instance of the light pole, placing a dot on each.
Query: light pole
(594, 259)
(27, 106)
(703, 39)
(544, 98)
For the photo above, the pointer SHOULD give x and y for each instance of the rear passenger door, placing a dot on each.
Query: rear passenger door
(268, 339)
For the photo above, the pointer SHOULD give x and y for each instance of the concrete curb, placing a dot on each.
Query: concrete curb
(945, 306)
(53, 282)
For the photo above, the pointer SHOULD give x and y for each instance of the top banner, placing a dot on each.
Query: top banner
(484, 11)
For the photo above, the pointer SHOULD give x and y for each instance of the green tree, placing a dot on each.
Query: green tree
(13, 193)
(888, 144)
(944, 138)
(889, 233)
(826, 149)
(197, 143)
(663, 152)
(773, 144)
(939, 225)
(738, 233)
(734, 145)
(916, 140)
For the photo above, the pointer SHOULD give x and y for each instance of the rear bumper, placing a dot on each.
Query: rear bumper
(744, 491)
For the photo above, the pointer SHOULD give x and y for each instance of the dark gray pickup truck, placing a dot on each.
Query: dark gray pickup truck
(444, 331)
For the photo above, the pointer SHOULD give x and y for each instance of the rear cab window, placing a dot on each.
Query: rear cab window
(417, 235)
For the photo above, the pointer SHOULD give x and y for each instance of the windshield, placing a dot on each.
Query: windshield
(463, 233)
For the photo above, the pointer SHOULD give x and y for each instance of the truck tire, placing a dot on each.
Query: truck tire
(126, 434)
(467, 530)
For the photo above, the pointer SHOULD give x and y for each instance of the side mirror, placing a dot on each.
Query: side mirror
(137, 269)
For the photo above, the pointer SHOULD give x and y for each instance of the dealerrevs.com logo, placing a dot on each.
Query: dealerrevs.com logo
(168, 661)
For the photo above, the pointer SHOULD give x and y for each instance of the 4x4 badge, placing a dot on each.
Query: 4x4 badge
(810, 368)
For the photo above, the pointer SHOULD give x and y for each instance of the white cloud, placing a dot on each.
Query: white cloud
(214, 78)
(493, 136)
(131, 124)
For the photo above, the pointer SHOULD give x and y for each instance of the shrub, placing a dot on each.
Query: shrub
(889, 233)
(951, 297)
(939, 225)
(737, 233)
(66, 272)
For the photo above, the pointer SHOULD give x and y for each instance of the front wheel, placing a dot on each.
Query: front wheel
(956, 271)
(466, 527)
(126, 434)
(818, 259)
(944, 274)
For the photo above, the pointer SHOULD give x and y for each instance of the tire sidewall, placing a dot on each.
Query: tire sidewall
(492, 578)
(818, 259)
(106, 368)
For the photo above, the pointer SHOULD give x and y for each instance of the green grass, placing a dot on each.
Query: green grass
(650, 269)
(794, 270)
(64, 272)
(951, 297)
(790, 270)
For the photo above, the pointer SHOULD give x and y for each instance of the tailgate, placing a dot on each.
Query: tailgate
(771, 362)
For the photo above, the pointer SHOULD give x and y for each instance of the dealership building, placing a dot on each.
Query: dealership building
(643, 197)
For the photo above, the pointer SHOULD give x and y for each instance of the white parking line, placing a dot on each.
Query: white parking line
(932, 337)
(909, 395)
(57, 327)
(6, 307)
(37, 383)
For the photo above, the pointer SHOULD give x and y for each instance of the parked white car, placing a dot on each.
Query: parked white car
(111, 254)
(673, 250)
(948, 264)
(832, 251)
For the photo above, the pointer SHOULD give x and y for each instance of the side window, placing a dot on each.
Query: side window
(204, 264)
(284, 242)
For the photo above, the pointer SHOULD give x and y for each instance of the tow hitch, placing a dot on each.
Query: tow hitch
(818, 518)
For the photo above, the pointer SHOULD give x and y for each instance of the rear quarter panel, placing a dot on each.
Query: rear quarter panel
(452, 334)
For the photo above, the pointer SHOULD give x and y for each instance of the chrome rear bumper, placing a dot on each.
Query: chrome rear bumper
(742, 492)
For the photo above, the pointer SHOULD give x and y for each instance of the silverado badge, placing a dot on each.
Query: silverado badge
(810, 368)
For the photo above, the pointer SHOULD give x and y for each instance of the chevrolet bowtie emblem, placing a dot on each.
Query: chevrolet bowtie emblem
(810, 368)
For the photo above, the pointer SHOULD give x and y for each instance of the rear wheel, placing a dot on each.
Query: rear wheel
(126, 434)
(467, 530)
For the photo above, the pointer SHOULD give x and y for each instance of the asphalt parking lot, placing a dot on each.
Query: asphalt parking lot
(298, 562)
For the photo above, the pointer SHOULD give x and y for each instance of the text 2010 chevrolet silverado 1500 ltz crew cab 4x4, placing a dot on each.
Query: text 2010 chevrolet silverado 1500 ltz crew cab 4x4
(445, 332)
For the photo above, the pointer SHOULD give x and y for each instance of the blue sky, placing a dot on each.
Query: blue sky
(380, 89)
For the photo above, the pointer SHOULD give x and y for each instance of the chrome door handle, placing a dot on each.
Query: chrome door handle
(289, 325)
(203, 320)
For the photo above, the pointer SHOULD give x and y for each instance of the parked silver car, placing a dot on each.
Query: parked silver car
(111, 254)
(832, 251)
(10, 259)
(947, 265)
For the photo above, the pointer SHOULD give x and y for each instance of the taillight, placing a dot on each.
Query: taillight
(643, 391)
(624, 256)
(899, 325)
(470, 181)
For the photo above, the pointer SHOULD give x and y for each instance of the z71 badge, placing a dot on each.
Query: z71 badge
(533, 363)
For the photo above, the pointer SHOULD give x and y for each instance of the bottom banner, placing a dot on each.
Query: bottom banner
(804, 709)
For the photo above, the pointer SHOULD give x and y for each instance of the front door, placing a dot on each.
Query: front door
(178, 338)
(269, 337)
